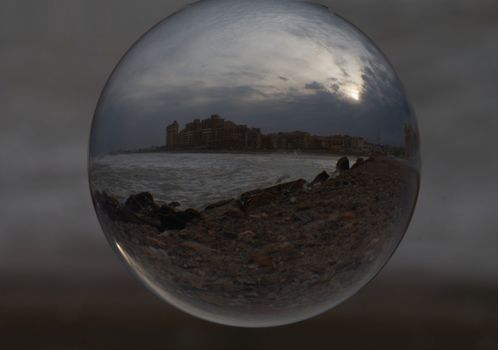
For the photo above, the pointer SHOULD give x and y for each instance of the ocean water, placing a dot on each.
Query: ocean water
(198, 179)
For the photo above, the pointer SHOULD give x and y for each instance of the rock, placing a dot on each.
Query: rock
(166, 210)
(247, 235)
(342, 164)
(320, 178)
(196, 246)
(358, 162)
(282, 178)
(176, 220)
(230, 235)
(104, 201)
(220, 204)
(260, 216)
(189, 215)
(289, 187)
(113, 209)
(268, 195)
(174, 204)
(304, 206)
(156, 243)
(141, 202)
(355, 206)
(172, 222)
(109, 205)
(281, 247)
(262, 260)
(259, 199)
(346, 216)
(275, 253)
(233, 213)
(144, 208)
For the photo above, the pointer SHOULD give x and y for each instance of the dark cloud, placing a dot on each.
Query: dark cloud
(315, 86)
(379, 115)
(170, 76)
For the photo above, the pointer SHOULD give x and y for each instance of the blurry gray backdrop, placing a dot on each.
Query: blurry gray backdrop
(62, 287)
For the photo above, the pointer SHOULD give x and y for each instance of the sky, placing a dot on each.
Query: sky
(278, 65)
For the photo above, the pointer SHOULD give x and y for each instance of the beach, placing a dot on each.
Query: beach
(290, 246)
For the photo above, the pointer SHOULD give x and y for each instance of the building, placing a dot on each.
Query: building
(346, 144)
(214, 133)
(172, 135)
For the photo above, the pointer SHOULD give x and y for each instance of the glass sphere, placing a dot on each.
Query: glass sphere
(254, 163)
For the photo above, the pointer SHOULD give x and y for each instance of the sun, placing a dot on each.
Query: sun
(355, 94)
(352, 93)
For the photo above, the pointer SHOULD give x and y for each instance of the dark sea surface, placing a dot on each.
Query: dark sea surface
(199, 179)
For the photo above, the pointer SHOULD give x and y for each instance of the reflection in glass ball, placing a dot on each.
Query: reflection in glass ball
(255, 163)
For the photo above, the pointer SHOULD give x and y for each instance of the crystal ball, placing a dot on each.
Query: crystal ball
(254, 163)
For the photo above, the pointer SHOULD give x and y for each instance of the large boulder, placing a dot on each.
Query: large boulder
(289, 187)
(171, 222)
(342, 164)
(141, 202)
(107, 204)
(142, 209)
(320, 178)
(166, 209)
(114, 210)
(258, 198)
(219, 204)
(143, 206)
(177, 220)
(189, 215)
(358, 162)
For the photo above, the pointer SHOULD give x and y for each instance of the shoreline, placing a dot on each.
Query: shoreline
(239, 152)
(291, 244)
(265, 152)
(412, 162)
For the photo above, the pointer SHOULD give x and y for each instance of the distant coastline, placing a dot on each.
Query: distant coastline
(218, 151)
(217, 135)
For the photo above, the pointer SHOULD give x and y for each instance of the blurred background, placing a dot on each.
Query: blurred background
(61, 287)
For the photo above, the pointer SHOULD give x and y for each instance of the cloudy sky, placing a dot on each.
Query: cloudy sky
(278, 65)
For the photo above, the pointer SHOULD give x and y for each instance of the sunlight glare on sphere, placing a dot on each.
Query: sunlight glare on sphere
(254, 163)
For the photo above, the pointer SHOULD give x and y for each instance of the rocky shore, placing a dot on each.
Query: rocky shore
(295, 243)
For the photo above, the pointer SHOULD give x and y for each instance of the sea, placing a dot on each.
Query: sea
(198, 179)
